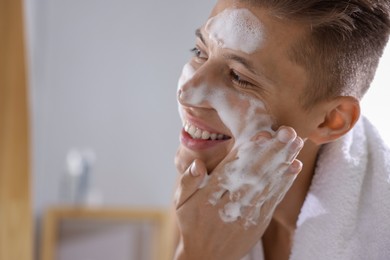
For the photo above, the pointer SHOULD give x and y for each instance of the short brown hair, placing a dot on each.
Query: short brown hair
(342, 48)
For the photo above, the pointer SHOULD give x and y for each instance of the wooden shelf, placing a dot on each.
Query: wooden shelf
(161, 243)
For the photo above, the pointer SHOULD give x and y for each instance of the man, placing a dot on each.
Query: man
(273, 90)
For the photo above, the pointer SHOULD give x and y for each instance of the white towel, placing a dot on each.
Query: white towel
(346, 214)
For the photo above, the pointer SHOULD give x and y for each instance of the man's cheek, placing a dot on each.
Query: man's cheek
(244, 115)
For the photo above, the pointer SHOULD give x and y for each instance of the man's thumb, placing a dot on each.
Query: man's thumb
(191, 180)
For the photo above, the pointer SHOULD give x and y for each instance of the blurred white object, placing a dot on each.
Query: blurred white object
(75, 163)
(77, 180)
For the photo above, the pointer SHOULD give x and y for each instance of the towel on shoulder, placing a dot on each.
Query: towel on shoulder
(346, 213)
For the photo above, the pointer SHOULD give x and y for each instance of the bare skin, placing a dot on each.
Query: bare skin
(202, 234)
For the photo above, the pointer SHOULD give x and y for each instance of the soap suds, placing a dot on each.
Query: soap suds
(186, 75)
(236, 29)
(247, 187)
(245, 116)
(249, 180)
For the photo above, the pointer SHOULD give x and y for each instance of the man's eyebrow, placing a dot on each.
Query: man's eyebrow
(199, 34)
(247, 64)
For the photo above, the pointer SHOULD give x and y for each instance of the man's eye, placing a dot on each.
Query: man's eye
(238, 80)
(198, 53)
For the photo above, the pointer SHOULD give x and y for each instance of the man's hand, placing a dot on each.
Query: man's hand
(222, 215)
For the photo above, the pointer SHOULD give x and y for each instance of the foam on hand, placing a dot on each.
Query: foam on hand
(236, 29)
(246, 186)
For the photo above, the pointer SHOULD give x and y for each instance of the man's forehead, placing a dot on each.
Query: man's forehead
(236, 29)
(267, 17)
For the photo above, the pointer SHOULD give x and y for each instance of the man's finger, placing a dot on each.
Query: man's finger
(191, 180)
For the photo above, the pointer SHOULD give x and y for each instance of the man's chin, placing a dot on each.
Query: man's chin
(184, 157)
(182, 161)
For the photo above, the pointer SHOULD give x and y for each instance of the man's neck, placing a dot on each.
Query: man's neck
(278, 238)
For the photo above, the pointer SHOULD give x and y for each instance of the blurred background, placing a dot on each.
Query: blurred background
(104, 122)
(103, 78)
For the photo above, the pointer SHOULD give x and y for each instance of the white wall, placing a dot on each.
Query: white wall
(103, 76)
(376, 103)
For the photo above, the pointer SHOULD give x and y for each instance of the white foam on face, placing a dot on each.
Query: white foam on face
(236, 29)
(186, 75)
(250, 184)
(251, 118)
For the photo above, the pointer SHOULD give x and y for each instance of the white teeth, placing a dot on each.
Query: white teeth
(205, 135)
(197, 133)
(191, 130)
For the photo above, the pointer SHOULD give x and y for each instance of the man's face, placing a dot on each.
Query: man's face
(240, 81)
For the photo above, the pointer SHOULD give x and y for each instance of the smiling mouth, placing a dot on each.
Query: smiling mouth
(200, 134)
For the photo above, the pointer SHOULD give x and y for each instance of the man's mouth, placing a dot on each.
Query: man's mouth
(198, 133)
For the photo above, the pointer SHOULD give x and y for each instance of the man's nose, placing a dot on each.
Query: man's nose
(197, 90)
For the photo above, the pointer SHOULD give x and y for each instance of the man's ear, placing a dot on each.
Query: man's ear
(341, 116)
